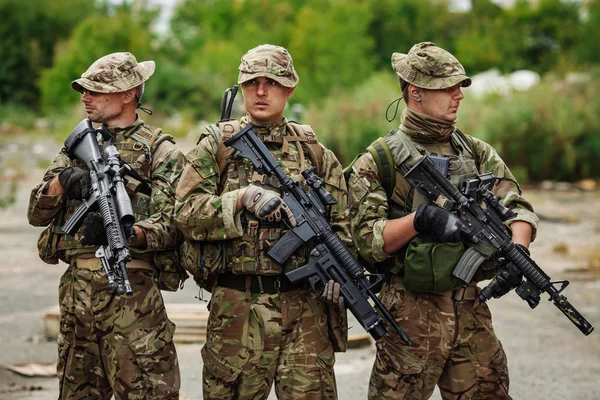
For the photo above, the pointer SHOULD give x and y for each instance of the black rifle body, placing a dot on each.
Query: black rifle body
(330, 259)
(488, 225)
(109, 195)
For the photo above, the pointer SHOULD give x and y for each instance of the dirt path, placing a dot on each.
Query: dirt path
(548, 357)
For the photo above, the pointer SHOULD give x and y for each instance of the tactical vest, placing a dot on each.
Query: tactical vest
(135, 149)
(296, 151)
(403, 198)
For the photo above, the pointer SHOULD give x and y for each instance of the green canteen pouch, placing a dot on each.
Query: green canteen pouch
(428, 265)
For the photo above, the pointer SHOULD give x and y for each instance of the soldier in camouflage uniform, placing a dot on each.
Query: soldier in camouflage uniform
(401, 233)
(261, 329)
(108, 343)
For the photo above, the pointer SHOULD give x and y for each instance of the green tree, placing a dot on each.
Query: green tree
(397, 25)
(93, 38)
(331, 48)
(209, 39)
(587, 51)
(547, 30)
(29, 32)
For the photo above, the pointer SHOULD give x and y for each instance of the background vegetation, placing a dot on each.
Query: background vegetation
(342, 51)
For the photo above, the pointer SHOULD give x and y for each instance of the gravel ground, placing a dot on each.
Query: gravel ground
(548, 357)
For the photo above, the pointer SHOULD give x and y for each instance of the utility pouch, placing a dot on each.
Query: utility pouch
(47, 245)
(204, 261)
(428, 265)
(338, 327)
(171, 274)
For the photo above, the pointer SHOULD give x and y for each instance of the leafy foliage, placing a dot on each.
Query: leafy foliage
(93, 38)
(341, 50)
(30, 32)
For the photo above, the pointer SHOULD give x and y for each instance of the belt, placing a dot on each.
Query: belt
(465, 293)
(270, 284)
(447, 301)
(94, 264)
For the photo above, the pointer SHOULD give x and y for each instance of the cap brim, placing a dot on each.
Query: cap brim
(284, 81)
(396, 60)
(436, 82)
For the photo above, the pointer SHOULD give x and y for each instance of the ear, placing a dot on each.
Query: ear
(414, 93)
(290, 92)
(129, 96)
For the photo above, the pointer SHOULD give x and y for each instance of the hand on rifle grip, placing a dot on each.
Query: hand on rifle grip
(76, 182)
(441, 224)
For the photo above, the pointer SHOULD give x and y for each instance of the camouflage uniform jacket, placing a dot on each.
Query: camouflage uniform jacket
(370, 207)
(153, 211)
(206, 202)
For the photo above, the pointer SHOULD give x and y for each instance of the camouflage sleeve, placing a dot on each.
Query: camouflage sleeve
(200, 212)
(160, 228)
(368, 209)
(333, 177)
(506, 186)
(42, 207)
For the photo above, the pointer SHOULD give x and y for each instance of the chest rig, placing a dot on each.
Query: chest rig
(403, 198)
(296, 148)
(135, 145)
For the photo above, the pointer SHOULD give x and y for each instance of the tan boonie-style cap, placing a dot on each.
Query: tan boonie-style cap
(113, 73)
(269, 61)
(429, 67)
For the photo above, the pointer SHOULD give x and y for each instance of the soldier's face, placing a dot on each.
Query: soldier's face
(265, 100)
(103, 107)
(441, 104)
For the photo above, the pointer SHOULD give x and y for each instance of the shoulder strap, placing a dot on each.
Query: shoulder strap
(229, 128)
(150, 144)
(380, 151)
(470, 146)
(314, 149)
(224, 153)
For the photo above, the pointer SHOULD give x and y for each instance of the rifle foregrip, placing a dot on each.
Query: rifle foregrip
(76, 220)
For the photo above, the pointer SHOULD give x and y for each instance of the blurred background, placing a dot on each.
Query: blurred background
(536, 66)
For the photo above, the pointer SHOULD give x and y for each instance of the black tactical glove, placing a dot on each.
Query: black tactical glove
(76, 182)
(509, 277)
(441, 224)
(94, 233)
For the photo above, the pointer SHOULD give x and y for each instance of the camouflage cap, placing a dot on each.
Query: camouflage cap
(269, 61)
(429, 67)
(113, 73)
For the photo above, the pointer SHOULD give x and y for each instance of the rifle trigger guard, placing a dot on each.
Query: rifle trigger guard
(313, 281)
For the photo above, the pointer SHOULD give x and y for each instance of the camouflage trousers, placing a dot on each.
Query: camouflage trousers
(457, 350)
(255, 339)
(110, 344)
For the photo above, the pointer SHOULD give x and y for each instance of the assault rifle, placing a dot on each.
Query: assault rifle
(487, 225)
(109, 194)
(330, 259)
